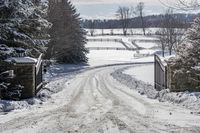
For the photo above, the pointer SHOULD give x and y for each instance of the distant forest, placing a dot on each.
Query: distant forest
(184, 21)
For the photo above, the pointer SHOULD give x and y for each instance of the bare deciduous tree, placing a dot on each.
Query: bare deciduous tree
(102, 27)
(169, 35)
(140, 12)
(182, 4)
(124, 14)
(162, 41)
(91, 27)
(111, 29)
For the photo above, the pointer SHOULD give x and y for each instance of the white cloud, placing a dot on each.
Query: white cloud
(77, 2)
(149, 2)
(105, 9)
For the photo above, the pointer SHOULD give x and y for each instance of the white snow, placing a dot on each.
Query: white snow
(62, 70)
(127, 38)
(102, 57)
(144, 73)
(127, 42)
(146, 45)
(98, 44)
(136, 31)
(21, 60)
(81, 98)
(144, 38)
(142, 41)
(93, 101)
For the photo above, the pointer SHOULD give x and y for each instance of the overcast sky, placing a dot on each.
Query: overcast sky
(113, 1)
(105, 9)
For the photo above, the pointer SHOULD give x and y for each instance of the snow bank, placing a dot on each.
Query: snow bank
(133, 83)
(57, 71)
(143, 73)
(43, 96)
(185, 99)
(7, 106)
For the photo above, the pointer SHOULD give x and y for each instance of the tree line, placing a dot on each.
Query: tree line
(151, 21)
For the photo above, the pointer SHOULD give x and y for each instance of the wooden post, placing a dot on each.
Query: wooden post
(160, 73)
(38, 74)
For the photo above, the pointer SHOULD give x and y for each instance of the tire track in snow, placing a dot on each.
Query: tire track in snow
(117, 111)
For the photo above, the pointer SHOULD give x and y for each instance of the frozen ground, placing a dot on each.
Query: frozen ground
(98, 44)
(146, 42)
(94, 102)
(144, 73)
(101, 57)
(102, 98)
(130, 37)
(146, 45)
(120, 31)
(136, 82)
(56, 76)
(125, 40)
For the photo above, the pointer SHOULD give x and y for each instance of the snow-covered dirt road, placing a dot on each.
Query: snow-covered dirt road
(94, 102)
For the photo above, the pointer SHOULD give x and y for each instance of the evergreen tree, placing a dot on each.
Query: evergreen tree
(189, 51)
(22, 24)
(68, 38)
(185, 67)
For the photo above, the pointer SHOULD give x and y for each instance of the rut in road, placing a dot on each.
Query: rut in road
(95, 102)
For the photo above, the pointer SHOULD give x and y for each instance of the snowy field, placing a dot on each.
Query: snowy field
(128, 37)
(144, 73)
(146, 45)
(146, 42)
(144, 38)
(98, 44)
(134, 37)
(138, 31)
(102, 57)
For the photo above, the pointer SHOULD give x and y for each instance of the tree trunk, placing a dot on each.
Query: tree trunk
(143, 26)
(163, 51)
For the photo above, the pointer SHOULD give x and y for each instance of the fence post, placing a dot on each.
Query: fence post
(160, 73)
(166, 77)
(155, 85)
(38, 74)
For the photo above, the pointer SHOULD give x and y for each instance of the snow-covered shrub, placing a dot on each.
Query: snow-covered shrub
(188, 58)
(189, 50)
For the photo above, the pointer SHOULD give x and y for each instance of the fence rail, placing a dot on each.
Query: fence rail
(145, 40)
(160, 74)
(105, 48)
(104, 40)
(38, 74)
(109, 48)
